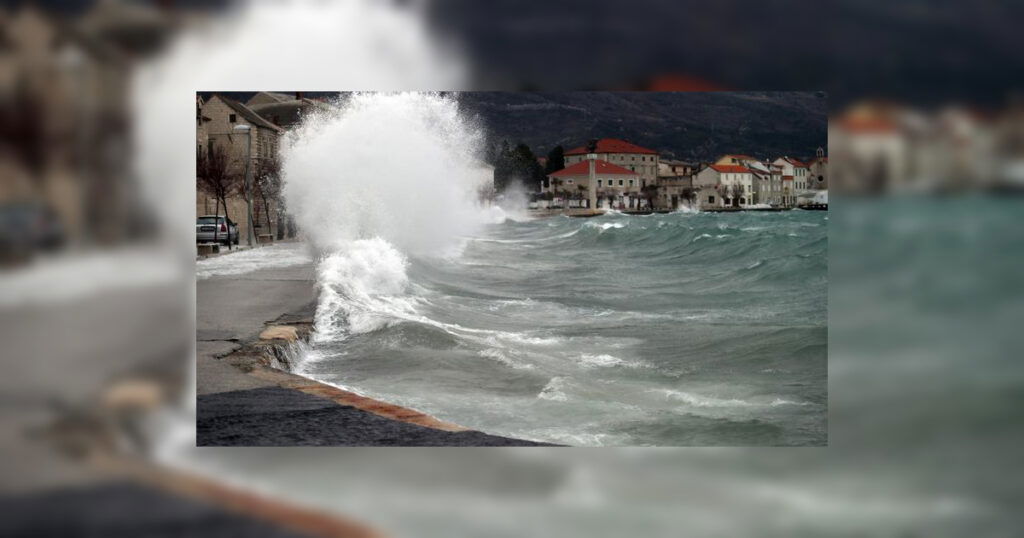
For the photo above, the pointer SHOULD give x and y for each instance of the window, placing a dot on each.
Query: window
(232, 118)
(743, 201)
(599, 183)
(631, 183)
(711, 199)
(569, 181)
(621, 182)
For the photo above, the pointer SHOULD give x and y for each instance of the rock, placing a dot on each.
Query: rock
(280, 332)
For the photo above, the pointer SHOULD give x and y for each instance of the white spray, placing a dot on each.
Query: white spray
(387, 174)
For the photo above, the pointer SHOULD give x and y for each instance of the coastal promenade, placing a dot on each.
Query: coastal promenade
(242, 401)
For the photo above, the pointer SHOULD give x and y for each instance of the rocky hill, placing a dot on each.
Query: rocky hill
(688, 126)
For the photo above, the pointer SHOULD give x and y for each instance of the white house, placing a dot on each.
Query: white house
(724, 185)
(799, 170)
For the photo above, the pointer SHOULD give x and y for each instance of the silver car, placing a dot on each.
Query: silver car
(216, 229)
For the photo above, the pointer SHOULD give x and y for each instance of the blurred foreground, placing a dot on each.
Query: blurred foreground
(97, 300)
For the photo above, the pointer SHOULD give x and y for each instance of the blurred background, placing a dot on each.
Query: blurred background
(97, 201)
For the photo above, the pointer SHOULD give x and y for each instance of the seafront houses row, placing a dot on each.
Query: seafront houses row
(616, 174)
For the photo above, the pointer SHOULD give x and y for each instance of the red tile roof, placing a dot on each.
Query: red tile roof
(583, 169)
(612, 145)
(730, 168)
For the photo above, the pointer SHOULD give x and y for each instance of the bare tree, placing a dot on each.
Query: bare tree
(267, 184)
(737, 192)
(216, 177)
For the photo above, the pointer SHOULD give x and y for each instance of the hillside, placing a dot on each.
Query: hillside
(689, 126)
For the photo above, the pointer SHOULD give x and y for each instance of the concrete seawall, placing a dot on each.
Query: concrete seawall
(247, 329)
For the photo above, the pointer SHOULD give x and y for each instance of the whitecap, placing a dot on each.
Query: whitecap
(554, 390)
(605, 360)
(503, 358)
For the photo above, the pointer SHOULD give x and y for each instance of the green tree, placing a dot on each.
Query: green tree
(517, 165)
(556, 160)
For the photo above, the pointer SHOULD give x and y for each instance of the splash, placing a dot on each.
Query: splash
(384, 177)
(362, 289)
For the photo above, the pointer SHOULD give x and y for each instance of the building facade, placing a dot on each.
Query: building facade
(216, 119)
(613, 187)
(799, 172)
(736, 159)
(721, 185)
(639, 160)
(818, 170)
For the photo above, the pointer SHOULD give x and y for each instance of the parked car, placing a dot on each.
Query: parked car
(216, 229)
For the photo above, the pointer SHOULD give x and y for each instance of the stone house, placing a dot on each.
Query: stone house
(216, 119)
(640, 160)
(674, 168)
(284, 110)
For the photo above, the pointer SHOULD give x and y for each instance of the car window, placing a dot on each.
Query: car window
(206, 220)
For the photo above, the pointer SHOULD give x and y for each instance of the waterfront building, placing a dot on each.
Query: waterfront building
(675, 185)
(642, 161)
(724, 185)
(795, 176)
(604, 185)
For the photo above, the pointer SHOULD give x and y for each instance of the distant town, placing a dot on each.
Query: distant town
(617, 174)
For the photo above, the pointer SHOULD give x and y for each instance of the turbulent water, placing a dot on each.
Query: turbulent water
(672, 329)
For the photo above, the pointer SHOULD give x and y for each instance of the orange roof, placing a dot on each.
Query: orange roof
(730, 168)
(582, 168)
(612, 145)
(740, 157)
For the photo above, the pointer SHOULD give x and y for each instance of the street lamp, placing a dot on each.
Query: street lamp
(248, 177)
